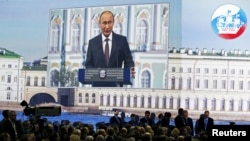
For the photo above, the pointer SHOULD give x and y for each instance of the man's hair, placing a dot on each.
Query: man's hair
(106, 11)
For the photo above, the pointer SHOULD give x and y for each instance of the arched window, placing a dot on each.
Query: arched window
(93, 98)
(142, 101)
(135, 101)
(240, 104)
(157, 102)
(189, 81)
(173, 83)
(213, 104)
(108, 100)
(28, 81)
(223, 104)
(196, 103)
(165, 34)
(142, 35)
(145, 79)
(164, 102)
(180, 83)
(171, 103)
(231, 105)
(55, 38)
(87, 98)
(117, 28)
(205, 103)
(149, 101)
(75, 37)
(36, 81)
(54, 78)
(128, 101)
(114, 100)
(178, 102)
(121, 100)
(43, 82)
(166, 81)
(187, 103)
(101, 100)
(80, 98)
(95, 29)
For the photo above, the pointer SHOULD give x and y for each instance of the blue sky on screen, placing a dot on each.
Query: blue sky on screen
(24, 23)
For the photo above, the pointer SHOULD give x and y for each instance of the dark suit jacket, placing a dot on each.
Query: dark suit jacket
(201, 125)
(179, 121)
(8, 127)
(116, 121)
(189, 122)
(120, 53)
(145, 122)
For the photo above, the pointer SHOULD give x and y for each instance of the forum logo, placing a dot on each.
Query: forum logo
(229, 21)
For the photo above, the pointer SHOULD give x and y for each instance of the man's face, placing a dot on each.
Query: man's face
(106, 23)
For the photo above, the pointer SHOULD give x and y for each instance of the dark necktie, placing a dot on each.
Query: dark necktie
(107, 51)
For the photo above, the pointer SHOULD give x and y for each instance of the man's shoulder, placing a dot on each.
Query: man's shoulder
(115, 35)
(97, 37)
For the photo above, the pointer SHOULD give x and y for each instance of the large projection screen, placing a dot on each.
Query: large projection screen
(146, 26)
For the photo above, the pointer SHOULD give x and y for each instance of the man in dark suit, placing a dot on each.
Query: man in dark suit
(179, 119)
(146, 120)
(108, 49)
(188, 122)
(205, 123)
(116, 120)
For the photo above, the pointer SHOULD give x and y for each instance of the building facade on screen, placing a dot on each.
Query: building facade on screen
(146, 27)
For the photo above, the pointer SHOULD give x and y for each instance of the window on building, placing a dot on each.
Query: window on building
(180, 83)
(36, 81)
(223, 104)
(9, 66)
(75, 37)
(223, 71)
(197, 70)
(178, 102)
(205, 103)
(215, 71)
(231, 105)
(135, 102)
(232, 71)
(196, 103)
(149, 101)
(171, 102)
(157, 102)
(118, 27)
(213, 104)
(108, 100)
(248, 105)
(142, 102)
(55, 38)
(145, 79)
(95, 28)
(197, 83)
(166, 80)
(121, 101)
(173, 69)
(164, 102)
(187, 103)
(8, 95)
(142, 35)
(101, 100)
(214, 84)
(2, 78)
(189, 83)
(93, 98)
(80, 98)
(189, 70)
(223, 84)
(43, 82)
(181, 70)
(87, 98)
(232, 84)
(128, 101)
(206, 84)
(240, 104)
(241, 72)
(114, 100)
(165, 33)
(9, 79)
(173, 83)
(206, 70)
(240, 85)
(28, 81)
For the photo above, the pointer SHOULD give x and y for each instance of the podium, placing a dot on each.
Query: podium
(105, 77)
